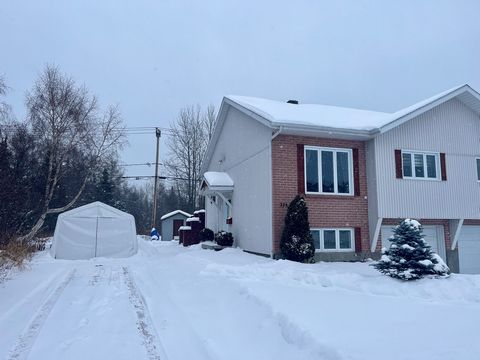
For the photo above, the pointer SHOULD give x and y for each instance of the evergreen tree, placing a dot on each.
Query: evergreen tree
(296, 243)
(409, 256)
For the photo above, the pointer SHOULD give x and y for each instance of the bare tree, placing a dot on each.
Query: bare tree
(66, 120)
(208, 121)
(5, 109)
(187, 145)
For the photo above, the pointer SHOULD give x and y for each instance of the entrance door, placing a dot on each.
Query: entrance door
(176, 226)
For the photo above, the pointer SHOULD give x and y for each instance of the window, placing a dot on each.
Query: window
(328, 171)
(333, 239)
(420, 165)
(478, 169)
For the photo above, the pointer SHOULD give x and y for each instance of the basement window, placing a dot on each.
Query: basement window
(333, 239)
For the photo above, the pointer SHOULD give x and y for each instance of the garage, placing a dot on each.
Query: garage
(469, 250)
(433, 235)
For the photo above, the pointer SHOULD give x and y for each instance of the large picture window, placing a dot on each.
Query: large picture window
(328, 171)
(420, 165)
(333, 239)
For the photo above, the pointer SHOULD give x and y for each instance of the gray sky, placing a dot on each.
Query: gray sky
(154, 57)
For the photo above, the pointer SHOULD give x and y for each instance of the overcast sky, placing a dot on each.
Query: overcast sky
(154, 57)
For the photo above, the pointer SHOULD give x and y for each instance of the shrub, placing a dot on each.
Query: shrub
(224, 238)
(206, 234)
(409, 256)
(296, 243)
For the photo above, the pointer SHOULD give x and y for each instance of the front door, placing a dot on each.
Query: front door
(176, 226)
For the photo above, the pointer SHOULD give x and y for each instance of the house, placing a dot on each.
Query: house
(171, 222)
(360, 172)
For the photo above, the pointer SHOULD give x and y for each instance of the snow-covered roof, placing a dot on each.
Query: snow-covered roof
(282, 113)
(331, 121)
(215, 178)
(95, 209)
(175, 213)
(313, 117)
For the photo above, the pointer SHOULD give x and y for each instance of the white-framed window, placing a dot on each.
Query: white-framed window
(478, 169)
(420, 165)
(328, 171)
(335, 239)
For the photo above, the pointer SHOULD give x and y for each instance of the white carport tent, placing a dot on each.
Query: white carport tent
(94, 230)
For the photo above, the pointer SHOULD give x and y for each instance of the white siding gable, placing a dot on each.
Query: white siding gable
(451, 128)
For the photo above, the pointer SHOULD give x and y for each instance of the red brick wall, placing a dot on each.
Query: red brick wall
(324, 210)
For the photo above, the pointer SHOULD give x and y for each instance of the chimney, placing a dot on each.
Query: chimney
(295, 102)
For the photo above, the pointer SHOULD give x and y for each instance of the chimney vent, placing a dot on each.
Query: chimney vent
(295, 102)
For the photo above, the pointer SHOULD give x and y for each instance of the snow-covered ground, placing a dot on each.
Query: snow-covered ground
(168, 302)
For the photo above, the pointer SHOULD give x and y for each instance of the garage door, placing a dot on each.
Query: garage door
(433, 235)
(469, 250)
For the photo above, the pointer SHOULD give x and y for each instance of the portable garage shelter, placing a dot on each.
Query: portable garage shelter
(94, 230)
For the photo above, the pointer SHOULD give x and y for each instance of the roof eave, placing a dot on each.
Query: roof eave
(403, 119)
(316, 130)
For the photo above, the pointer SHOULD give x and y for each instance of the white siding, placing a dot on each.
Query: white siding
(243, 151)
(451, 128)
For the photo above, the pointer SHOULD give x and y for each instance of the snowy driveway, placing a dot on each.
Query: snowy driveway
(168, 302)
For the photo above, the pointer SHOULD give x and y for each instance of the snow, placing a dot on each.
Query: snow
(282, 113)
(218, 179)
(413, 223)
(192, 219)
(174, 213)
(184, 227)
(426, 262)
(171, 302)
(201, 211)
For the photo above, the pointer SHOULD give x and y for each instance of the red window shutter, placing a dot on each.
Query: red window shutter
(398, 164)
(443, 166)
(358, 239)
(356, 172)
(300, 169)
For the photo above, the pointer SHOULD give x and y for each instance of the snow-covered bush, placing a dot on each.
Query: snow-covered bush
(224, 238)
(206, 234)
(409, 256)
(296, 243)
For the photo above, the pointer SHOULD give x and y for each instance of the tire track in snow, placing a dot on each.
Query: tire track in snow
(145, 325)
(27, 339)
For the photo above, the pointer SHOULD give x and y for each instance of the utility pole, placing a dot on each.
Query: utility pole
(158, 133)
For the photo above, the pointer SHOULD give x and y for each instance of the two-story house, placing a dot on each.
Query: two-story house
(359, 171)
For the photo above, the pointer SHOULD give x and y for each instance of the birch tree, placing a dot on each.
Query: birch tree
(66, 120)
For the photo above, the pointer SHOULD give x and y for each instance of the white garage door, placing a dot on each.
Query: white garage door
(469, 250)
(433, 235)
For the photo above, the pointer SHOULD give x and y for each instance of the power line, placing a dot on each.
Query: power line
(142, 164)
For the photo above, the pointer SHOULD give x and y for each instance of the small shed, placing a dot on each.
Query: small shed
(94, 230)
(171, 222)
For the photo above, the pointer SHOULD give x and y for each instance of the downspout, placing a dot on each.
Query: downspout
(275, 134)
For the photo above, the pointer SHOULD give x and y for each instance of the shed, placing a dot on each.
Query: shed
(171, 222)
(94, 230)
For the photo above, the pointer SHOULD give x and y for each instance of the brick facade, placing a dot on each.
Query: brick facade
(324, 210)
